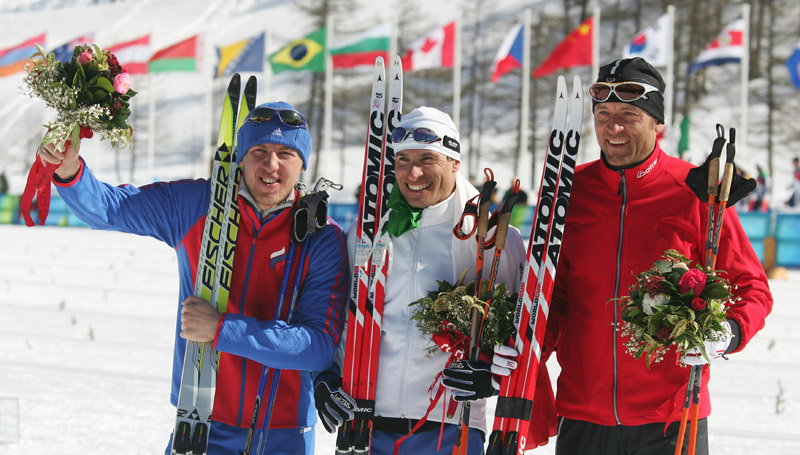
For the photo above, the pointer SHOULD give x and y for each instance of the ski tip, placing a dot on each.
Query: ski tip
(379, 62)
(577, 87)
(561, 86)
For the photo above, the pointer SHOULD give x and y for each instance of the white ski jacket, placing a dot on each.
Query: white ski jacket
(417, 259)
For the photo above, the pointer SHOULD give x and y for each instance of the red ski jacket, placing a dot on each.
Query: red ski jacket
(618, 224)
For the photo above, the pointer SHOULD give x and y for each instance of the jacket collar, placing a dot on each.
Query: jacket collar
(637, 176)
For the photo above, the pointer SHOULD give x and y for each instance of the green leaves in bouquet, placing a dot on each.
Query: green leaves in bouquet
(454, 303)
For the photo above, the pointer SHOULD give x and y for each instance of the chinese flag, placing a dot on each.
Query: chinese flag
(575, 50)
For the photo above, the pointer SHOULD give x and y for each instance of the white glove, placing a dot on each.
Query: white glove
(715, 348)
(502, 363)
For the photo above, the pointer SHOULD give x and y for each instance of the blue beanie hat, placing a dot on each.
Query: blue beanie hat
(274, 132)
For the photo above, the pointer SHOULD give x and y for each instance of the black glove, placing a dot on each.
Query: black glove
(334, 406)
(469, 380)
(697, 179)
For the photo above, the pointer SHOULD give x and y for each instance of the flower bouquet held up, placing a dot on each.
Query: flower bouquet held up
(90, 93)
(674, 303)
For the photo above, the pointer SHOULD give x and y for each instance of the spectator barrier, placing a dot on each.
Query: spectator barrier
(775, 236)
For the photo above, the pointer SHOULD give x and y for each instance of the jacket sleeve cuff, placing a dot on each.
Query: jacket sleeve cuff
(736, 339)
(219, 329)
(58, 181)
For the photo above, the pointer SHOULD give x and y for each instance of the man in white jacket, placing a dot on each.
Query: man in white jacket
(427, 201)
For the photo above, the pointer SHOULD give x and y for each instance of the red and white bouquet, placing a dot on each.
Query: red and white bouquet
(674, 303)
(91, 92)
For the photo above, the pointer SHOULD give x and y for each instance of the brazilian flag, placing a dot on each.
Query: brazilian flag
(304, 54)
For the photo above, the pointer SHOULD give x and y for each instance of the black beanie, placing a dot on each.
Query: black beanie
(636, 70)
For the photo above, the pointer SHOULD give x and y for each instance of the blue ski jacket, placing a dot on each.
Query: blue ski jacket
(249, 336)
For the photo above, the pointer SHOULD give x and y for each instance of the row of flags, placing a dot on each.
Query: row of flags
(134, 55)
(436, 49)
(652, 44)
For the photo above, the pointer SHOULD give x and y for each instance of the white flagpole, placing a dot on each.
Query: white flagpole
(670, 66)
(151, 129)
(328, 114)
(393, 41)
(595, 44)
(741, 141)
(267, 72)
(525, 98)
(457, 74)
(208, 130)
(593, 148)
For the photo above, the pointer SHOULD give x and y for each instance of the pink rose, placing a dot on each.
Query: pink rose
(122, 83)
(694, 280)
(85, 57)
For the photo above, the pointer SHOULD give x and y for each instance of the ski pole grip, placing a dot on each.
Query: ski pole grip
(725, 186)
(713, 176)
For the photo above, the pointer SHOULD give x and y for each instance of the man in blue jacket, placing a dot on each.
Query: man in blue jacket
(274, 146)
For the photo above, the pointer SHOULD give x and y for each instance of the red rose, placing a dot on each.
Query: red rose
(694, 280)
(664, 332)
(698, 303)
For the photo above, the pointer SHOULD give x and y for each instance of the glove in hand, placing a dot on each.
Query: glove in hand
(334, 406)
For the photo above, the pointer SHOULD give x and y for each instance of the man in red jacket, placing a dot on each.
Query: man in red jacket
(626, 209)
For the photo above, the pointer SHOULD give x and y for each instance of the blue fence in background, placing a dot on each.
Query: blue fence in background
(783, 227)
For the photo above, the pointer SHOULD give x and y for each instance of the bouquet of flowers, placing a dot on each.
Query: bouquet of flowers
(674, 303)
(446, 315)
(90, 92)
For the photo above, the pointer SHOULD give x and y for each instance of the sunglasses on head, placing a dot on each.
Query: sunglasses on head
(625, 91)
(287, 116)
(423, 136)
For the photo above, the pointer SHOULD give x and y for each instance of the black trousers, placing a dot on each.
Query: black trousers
(576, 437)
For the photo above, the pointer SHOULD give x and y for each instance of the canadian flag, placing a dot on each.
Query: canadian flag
(434, 50)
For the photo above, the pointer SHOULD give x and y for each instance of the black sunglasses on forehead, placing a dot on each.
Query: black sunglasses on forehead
(288, 117)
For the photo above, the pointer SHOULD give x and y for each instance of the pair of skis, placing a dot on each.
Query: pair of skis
(515, 403)
(365, 305)
(718, 192)
(214, 272)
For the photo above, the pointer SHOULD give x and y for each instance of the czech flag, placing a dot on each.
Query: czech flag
(509, 56)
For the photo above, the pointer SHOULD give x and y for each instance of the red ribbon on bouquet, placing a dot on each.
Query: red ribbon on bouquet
(38, 185)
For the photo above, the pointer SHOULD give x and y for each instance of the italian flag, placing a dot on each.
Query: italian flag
(364, 48)
(181, 56)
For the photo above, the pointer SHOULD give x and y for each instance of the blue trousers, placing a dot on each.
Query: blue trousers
(426, 442)
(227, 440)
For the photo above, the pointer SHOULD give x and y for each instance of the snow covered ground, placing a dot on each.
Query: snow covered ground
(86, 324)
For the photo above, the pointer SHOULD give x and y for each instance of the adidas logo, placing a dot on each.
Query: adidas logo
(277, 132)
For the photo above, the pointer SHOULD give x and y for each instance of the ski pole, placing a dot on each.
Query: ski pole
(276, 375)
(501, 232)
(724, 193)
(265, 370)
(685, 415)
(462, 434)
(712, 188)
